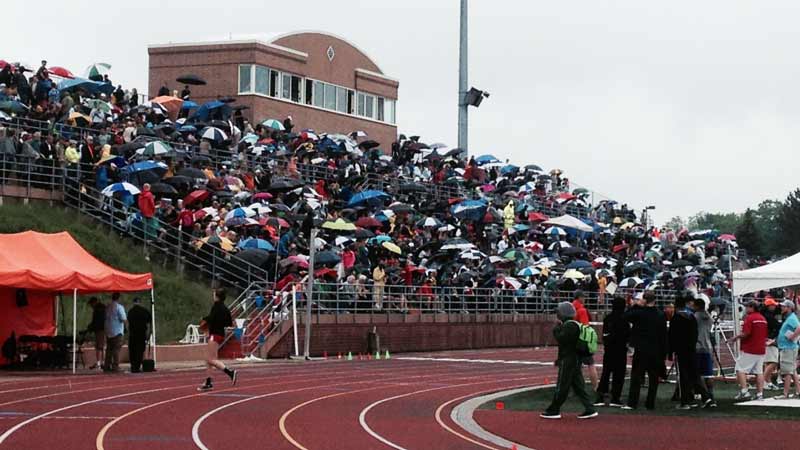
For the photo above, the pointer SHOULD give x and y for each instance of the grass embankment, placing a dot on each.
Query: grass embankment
(178, 301)
(538, 400)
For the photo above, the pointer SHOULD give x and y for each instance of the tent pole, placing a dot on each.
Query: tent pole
(153, 319)
(74, 329)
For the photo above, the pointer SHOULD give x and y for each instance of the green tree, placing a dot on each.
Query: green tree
(747, 233)
(676, 223)
(722, 222)
(766, 218)
(788, 225)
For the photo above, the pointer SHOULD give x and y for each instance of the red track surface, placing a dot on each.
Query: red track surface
(319, 405)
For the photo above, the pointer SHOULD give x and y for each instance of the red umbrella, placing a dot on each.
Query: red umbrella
(262, 196)
(619, 248)
(3, 63)
(196, 196)
(537, 217)
(61, 72)
(325, 272)
(566, 196)
(368, 222)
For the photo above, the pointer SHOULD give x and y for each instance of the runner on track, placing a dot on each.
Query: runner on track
(215, 323)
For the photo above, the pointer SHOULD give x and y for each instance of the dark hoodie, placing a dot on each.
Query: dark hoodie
(616, 330)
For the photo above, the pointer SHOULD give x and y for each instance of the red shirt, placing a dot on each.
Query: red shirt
(581, 314)
(147, 204)
(755, 325)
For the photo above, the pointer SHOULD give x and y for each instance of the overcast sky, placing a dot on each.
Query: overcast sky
(686, 105)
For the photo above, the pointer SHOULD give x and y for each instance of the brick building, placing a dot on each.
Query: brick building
(323, 81)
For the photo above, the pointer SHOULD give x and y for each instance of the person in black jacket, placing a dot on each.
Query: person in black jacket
(682, 344)
(616, 332)
(649, 341)
(215, 323)
(569, 367)
(138, 322)
(98, 328)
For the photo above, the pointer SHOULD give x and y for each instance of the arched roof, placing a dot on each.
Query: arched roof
(275, 41)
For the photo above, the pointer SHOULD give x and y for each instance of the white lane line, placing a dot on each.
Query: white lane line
(362, 417)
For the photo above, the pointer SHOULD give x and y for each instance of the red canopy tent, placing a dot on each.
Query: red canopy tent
(43, 265)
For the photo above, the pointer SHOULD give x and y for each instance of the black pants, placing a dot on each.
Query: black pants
(136, 346)
(689, 381)
(614, 362)
(653, 367)
(569, 377)
(113, 346)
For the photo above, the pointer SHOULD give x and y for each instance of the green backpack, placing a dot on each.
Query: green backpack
(587, 339)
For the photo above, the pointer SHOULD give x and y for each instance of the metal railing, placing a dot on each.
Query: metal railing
(265, 320)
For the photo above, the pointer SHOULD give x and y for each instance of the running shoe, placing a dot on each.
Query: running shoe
(743, 395)
(710, 403)
(588, 415)
(627, 407)
(549, 415)
(205, 387)
(614, 404)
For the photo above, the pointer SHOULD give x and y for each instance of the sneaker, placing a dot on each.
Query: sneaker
(600, 403)
(588, 415)
(627, 407)
(684, 407)
(743, 395)
(614, 404)
(760, 396)
(549, 415)
(205, 387)
(709, 403)
(772, 387)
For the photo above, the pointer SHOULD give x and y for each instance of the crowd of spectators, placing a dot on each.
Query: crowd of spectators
(411, 215)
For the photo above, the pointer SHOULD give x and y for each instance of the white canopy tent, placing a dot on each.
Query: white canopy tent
(785, 272)
(567, 221)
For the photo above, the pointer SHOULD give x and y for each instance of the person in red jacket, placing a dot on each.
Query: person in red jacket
(147, 209)
(582, 316)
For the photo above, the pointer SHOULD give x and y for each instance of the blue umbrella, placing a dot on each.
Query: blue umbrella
(214, 134)
(380, 239)
(204, 111)
(369, 197)
(257, 243)
(187, 129)
(529, 272)
(579, 264)
(144, 171)
(13, 106)
(505, 170)
(521, 227)
(486, 159)
(469, 210)
(126, 188)
(188, 104)
(92, 87)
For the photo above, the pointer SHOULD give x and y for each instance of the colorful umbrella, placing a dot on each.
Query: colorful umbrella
(112, 189)
(392, 247)
(274, 124)
(339, 225)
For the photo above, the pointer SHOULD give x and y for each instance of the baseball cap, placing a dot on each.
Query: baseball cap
(770, 302)
(788, 303)
(752, 304)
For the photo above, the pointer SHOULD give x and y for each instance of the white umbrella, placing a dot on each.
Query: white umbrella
(555, 231)
(111, 189)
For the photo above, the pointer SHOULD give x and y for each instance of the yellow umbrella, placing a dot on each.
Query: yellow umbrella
(573, 274)
(224, 243)
(392, 247)
(339, 225)
(76, 115)
(626, 226)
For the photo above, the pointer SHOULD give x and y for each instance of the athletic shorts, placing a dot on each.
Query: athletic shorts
(788, 361)
(99, 340)
(216, 338)
(586, 360)
(749, 363)
(705, 365)
(772, 355)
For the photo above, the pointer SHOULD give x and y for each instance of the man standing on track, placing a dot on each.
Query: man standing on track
(216, 321)
(116, 320)
(787, 345)
(138, 320)
(649, 340)
(98, 327)
(616, 332)
(753, 348)
(567, 333)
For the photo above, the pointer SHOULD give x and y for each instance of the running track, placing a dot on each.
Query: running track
(400, 403)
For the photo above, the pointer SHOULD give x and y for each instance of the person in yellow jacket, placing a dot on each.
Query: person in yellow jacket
(378, 282)
(508, 215)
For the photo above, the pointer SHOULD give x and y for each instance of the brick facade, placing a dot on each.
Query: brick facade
(301, 54)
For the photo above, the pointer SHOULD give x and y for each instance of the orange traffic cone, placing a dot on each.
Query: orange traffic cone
(369, 356)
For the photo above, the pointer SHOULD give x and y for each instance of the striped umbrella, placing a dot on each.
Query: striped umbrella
(112, 189)
(274, 124)
(529, 272)
(555, 231)
(213, 134)
(155, 148)
(97, 70)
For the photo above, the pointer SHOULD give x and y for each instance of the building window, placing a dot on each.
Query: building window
(370, 106)
(309, 91)
(297, 91)
(319, 94)
(361, 105)
(262, 80)
(351, 107)
(330, 97)
(274, 83)
(341, 99)
(389, 110)
(286, 86)
(379, 110)
(245, 78)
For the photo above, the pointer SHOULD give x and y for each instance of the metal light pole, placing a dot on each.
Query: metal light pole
(463, 134)
(310, 291)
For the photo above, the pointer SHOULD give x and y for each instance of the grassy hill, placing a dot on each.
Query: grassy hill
(178, 300)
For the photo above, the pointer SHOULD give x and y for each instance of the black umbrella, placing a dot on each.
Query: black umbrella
(681, 263)
(573, 251)
(162, 189)
(144, 131)
(412, 187)
(284, 185)
(363, 233)
(366, 145)
(280, 207)
(200, 159)
(254, 256)
(417, 146)
(192, 172)
(326, 258)
(191, 79)
(454, 152)
(179, 181)
(402, 208)
(240, 107)
(223, 195)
